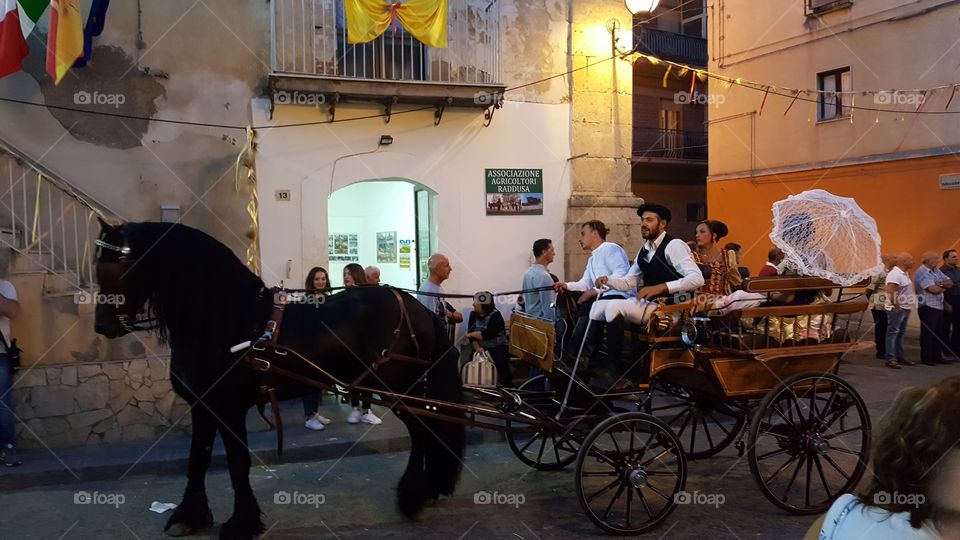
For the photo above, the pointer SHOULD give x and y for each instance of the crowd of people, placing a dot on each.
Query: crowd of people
(933, 292)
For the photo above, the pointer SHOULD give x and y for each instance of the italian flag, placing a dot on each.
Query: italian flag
(30, 12)
(65, 40)
(13, 46)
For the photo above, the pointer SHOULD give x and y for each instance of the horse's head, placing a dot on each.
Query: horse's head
(113, 261)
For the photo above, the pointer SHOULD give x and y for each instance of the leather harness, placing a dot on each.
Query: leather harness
(267, 351)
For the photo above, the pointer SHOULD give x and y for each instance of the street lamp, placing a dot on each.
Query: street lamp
(641, 6)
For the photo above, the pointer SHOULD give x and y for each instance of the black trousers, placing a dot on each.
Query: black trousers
(931, 334)
(880, 331)
(951, 325)
(501, 359)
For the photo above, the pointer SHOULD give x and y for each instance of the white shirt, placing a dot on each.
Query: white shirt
(608, 259)
(6, 289)
(906, 297)
(678, 255)
(850, 519)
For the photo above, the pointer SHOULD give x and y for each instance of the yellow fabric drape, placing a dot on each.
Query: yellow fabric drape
(426, 20)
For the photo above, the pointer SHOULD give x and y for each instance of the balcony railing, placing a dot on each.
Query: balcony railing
(310, 38)
(669, 144)
(670, 46)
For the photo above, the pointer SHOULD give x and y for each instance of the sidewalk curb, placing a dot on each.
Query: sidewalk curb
(175, 463)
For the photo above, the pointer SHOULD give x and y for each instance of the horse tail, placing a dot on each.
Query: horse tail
(445, 446)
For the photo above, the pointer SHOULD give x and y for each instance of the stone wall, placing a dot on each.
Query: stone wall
(93, 403)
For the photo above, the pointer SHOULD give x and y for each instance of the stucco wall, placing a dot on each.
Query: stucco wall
(887, 44)
(486, 252)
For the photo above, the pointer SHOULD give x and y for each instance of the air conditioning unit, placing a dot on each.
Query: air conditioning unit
(818, 7)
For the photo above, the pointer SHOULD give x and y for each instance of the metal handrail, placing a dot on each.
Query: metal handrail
(50, 220)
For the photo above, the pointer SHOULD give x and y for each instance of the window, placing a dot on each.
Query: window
(694, 18)
(813, 8)
(832, 104)
(696, 212)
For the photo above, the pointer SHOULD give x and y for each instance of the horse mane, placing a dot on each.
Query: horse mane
(194, 286)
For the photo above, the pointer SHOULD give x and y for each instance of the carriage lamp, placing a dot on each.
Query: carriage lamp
(696, 331)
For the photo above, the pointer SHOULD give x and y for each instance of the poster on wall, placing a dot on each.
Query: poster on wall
(406, 249)
(387, 247)
(513, 192)
(343, 248)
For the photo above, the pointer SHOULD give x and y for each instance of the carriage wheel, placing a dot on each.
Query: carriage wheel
(704, 424)
(547, 449)
(629, 470)
(809, 442)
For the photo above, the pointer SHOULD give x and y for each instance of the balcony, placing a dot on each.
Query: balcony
(664, 145)
(688, 50)
(310, 54)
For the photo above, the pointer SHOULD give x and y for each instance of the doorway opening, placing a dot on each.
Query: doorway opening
(388, 223)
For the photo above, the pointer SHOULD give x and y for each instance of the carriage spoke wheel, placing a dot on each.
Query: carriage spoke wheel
(705, 425)
(809, 442)
(550, 448)
(629, 470)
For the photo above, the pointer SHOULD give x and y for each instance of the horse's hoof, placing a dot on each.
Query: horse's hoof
(177, 529)
(235, 529)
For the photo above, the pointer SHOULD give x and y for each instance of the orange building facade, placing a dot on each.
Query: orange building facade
(913, 212)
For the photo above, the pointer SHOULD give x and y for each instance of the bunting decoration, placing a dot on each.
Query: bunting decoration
(426, 20)
(799, 94)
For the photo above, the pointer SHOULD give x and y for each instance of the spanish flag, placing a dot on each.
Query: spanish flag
(65, 40)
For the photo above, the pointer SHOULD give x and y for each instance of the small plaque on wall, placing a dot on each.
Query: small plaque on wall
(282, 195)
(950, 181)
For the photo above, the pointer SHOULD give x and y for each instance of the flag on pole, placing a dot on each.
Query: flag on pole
(93, 28)
(13, 48)
(30, 12)
(65, 40)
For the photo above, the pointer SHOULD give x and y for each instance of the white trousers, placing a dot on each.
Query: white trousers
(640, 311)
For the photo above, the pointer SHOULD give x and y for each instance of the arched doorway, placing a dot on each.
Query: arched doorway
(390, 223)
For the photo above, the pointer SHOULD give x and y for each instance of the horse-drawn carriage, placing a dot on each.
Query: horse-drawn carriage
(808, 436)
(706, 371)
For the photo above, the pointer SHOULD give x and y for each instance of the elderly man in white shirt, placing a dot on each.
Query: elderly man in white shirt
(606, 259)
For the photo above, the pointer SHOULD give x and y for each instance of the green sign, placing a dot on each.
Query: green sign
(514, 192)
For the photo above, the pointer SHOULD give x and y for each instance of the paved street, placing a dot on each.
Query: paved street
(352, 497)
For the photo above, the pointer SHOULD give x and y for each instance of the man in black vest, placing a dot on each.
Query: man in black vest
(664, 267)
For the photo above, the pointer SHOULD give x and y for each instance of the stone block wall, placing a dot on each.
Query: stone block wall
(100, 402)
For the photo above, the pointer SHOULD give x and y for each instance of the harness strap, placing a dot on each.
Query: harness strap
(272, 330)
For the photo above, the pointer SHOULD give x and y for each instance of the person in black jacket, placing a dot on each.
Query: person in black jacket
(487, 332)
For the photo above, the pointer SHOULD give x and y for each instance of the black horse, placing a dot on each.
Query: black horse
(204, 301)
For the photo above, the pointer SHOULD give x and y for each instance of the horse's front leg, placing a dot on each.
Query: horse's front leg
(193, 513)
(245, 521)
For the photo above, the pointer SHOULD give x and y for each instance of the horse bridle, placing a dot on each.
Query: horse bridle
(122, 318)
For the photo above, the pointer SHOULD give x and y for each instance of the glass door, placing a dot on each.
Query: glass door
(427, 228)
